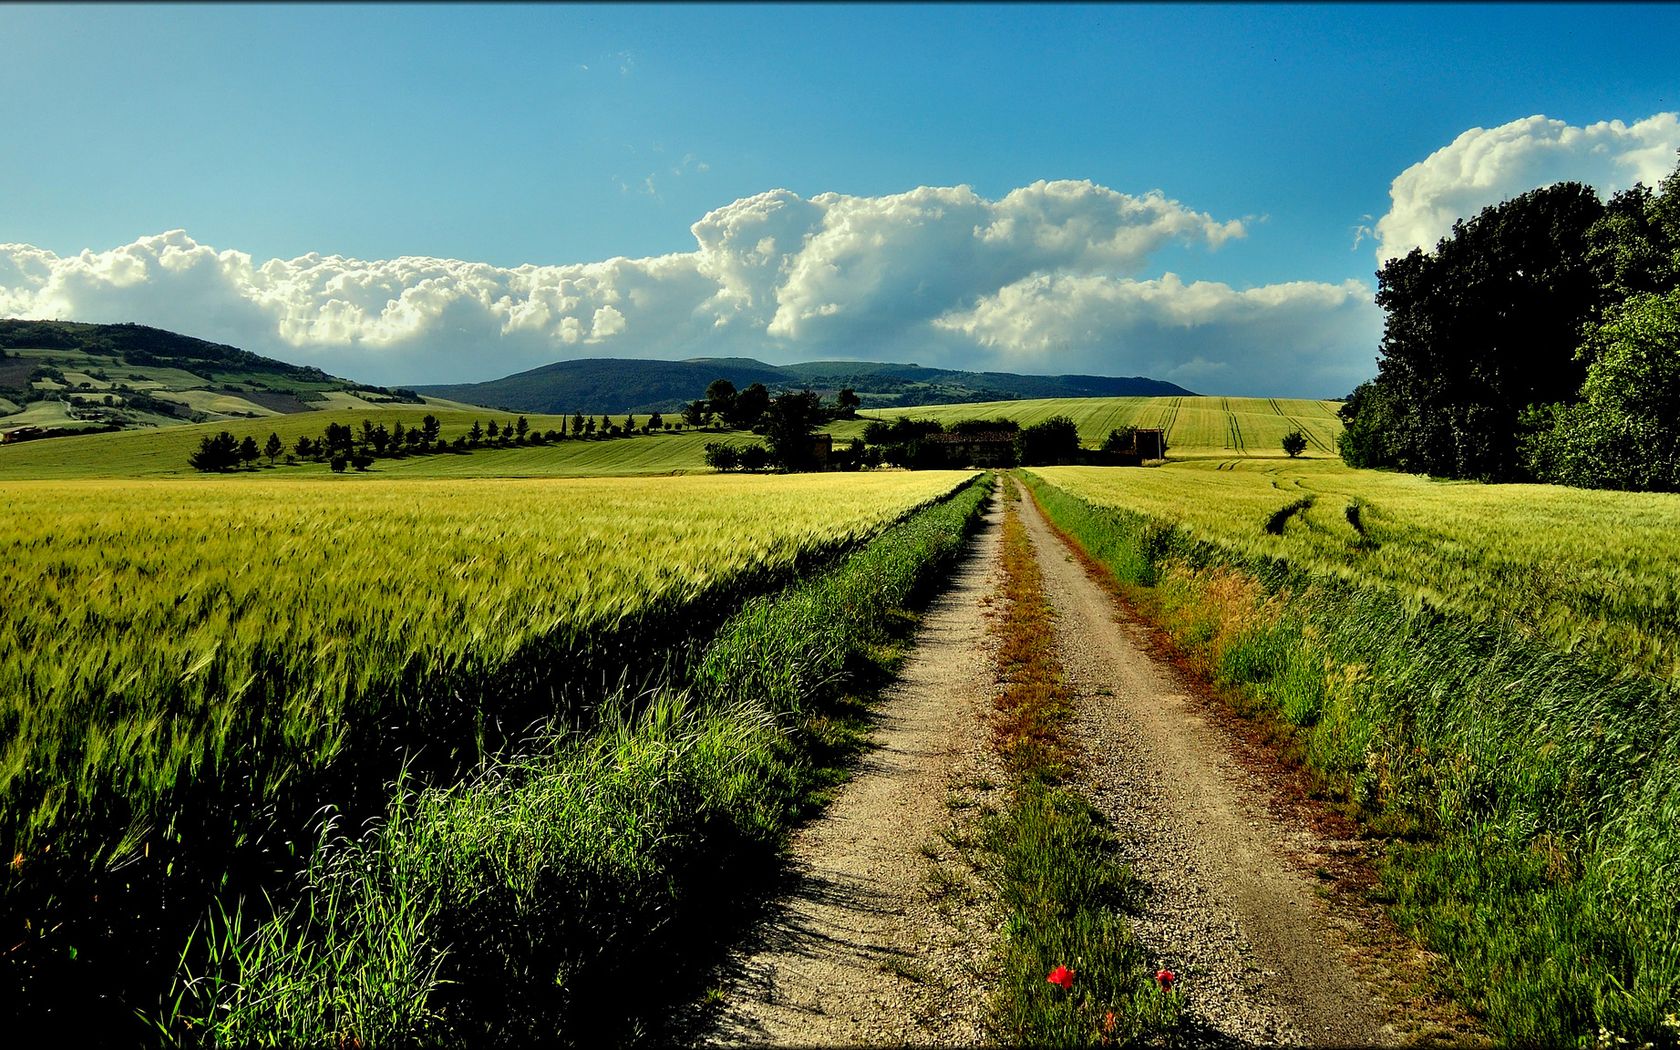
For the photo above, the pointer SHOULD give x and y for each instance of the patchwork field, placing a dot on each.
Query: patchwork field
(1195, 426)
(109, 389)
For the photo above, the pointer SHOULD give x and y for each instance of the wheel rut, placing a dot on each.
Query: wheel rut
(865, 948)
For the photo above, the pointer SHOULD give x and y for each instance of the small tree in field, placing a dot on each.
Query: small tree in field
(273, 447)
(217, 453)
(248, 451)
(1294, 443)
(846, 403)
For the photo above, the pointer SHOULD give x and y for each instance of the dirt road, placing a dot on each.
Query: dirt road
(859, 953)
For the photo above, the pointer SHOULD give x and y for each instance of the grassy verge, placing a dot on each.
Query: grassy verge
(1062, 887)
(575, 893)
(1530, 803)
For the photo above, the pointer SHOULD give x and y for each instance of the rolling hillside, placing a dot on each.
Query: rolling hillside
(612, 385)
(61, 377)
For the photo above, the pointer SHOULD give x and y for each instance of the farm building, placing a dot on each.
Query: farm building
(7, 437)
(1131, 447)
(822, 447)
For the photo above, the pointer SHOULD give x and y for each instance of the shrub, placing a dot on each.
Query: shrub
(722, 456)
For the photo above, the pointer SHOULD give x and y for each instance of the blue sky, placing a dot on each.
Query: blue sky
(564, 136)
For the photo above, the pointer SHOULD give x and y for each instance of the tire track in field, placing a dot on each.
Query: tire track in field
(1234, 439)
(1311, 434)
(1230, 905)
(862, 949)
(1300, 423)
(1171, 420)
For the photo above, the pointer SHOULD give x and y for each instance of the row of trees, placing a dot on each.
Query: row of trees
(342, 446)
(1539, 340)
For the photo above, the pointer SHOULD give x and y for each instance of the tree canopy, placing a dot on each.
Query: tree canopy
(1625, 432)
(1485, 334)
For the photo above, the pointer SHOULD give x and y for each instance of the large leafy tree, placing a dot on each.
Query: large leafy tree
(1625, 432)
(750, 404)
(1477, 331)
(1485, 342)
(789, 423)
(720, 398)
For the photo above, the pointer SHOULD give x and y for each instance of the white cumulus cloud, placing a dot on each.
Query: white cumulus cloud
(1204, 335)
(1484, 166)
(1044, 278)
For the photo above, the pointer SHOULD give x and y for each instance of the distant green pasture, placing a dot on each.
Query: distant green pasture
(1196, 426)
(164, 451)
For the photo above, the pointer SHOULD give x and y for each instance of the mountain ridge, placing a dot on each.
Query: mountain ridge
(607, 384)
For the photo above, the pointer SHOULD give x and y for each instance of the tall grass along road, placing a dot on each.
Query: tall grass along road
(574, 891)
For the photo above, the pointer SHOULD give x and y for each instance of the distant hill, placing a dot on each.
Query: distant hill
(61, 377)
(624, 385)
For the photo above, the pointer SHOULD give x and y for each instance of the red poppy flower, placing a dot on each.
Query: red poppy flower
(1165, 979)
(1063, 976)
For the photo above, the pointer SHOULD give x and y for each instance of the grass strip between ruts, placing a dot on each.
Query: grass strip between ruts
(1062, 887)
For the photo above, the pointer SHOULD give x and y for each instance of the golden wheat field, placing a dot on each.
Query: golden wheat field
(143, 616)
